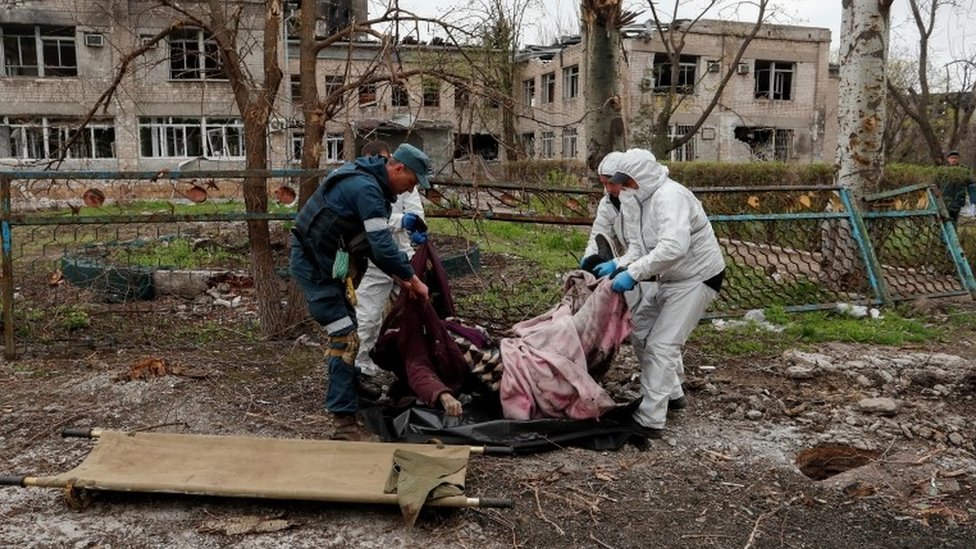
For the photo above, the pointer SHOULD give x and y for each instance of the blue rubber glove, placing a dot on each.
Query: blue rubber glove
(411, 221)
(605, 268)
(418, 237)
(623, 283)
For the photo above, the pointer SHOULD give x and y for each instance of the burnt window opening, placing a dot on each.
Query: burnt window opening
(767, 144)
(481, 144)
(683, 82)
(400, 95)
(38, 50)
(194, 55)
(774, 80)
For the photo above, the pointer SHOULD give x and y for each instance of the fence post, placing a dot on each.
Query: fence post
(871, 264)
(8, 269)
(951, 239)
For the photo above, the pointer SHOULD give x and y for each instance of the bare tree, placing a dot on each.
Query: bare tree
(673, 34)
(942, 119)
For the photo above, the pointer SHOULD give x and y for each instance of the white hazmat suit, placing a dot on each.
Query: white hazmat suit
(670, 241)
(608, 221)
(373, 293)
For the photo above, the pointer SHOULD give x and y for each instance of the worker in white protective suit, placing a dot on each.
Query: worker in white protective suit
(670, 242)
(373, 294)
(606, 240)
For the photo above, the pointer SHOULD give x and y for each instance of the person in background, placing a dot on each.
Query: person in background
(606, 235)
(956, 190)
(373, 295)
(342, 225)
(670, 242)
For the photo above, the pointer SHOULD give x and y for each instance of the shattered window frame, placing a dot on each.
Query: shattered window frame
(43, 138)
(194, 55)
(38, 50)
(687, 73)
(774, 80)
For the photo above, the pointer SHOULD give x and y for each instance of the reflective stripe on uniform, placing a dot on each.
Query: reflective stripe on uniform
(375, 224)
(337, 325)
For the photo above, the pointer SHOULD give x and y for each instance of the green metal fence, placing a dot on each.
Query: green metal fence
(801, 248)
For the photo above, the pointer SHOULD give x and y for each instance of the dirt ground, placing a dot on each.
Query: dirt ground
(725, 475)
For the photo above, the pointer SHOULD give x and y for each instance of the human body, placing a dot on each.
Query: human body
(349, 213)
(670, 242)
(956, 190)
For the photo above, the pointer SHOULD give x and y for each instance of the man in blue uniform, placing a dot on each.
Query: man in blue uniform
(344, 224)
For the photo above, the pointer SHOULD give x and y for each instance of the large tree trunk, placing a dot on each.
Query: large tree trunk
(865, 28)
(860, 145)
(604, 124)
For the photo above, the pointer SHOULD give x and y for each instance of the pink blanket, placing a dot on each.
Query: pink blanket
(546, 371)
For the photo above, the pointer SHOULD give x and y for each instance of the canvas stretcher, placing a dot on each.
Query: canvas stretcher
(250, 467)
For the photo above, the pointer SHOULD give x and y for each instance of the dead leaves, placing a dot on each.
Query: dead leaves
(150, 367)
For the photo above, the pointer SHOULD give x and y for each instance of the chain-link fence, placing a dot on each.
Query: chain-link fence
(78, 245)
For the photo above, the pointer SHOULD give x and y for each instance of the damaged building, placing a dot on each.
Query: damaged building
(175, 105)
(779, 104)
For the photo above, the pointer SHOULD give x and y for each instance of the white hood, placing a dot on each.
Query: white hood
(608, 166)
(641, 166)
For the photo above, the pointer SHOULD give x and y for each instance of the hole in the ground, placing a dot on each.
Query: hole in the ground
(823, 462)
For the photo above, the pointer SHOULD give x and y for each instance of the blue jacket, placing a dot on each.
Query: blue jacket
(349, 211)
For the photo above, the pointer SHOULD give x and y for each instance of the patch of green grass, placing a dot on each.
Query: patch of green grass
(74, 318)
(179, 253)
(555, 248)
(893, 329)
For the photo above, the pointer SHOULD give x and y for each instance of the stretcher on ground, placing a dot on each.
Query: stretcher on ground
(291, 469)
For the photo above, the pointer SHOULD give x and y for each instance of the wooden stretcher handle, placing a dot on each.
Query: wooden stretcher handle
(504, 503)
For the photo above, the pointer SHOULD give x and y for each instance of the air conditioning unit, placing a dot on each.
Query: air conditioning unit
(714, 66)
(94, 39)
(646, 84)
(742, 68)
(277, 124)
(146, 40)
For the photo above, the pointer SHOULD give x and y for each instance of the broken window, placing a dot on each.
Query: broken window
(296, 89)
(193, 55)
(481, 144)
(175, 137)
(549, 87)
(528, 92)
(548, 144)
(571, 82)
(686, 152)
(528, 144)
(38, 50)
(767, 144)
(333, 87)
(367, 95)
(569, 143)
(334, 148)
(432, 92)
(774, 80)
(683, 81)
(401, 97)
(37, 138)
